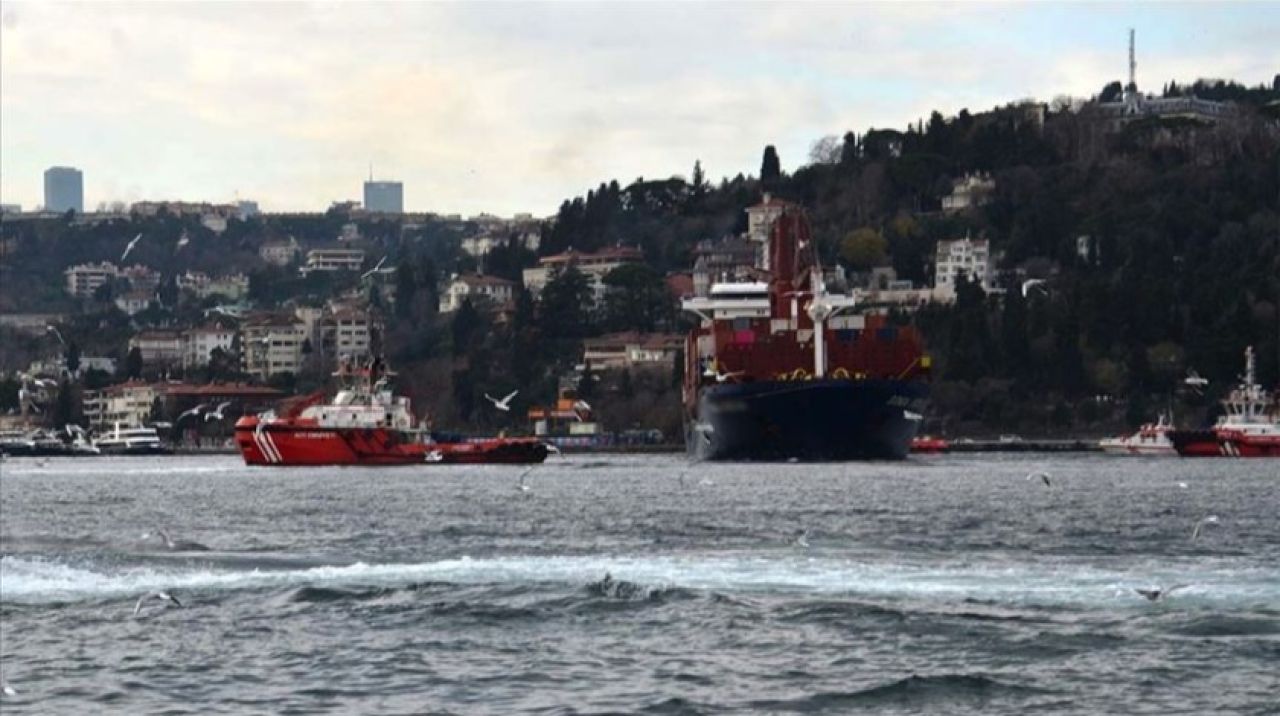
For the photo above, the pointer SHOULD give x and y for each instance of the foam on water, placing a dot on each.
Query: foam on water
(37, 580)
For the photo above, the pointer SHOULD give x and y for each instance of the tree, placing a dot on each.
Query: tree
(564, 307)
(827, 150)
(770, 166)
(72, 358)
(863, 248)
(698, 184)
(406, 289)
(133, 364)
(636, 298)
(1112, 92)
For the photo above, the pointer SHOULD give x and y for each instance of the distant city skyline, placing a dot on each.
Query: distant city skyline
(514, 107)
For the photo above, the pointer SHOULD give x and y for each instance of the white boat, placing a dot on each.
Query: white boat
(1151, 439)
(130, 441)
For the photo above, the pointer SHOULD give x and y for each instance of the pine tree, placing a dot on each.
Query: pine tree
(770, 167)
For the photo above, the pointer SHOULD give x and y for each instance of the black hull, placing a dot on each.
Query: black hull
(822, 420)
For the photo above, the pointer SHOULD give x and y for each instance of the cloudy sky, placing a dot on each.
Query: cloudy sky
(508, 107)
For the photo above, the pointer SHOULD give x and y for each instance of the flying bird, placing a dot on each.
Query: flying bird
(520, 485)
(1157, 593)
(373, 270)
(505, 404)
(1209, 520)
(160, 595)
(551, 448)
(1033, 283)
(194, 411)
(1044, 477)
(803, 539)
(129, 248)
(182, 241)
(9, 690)
(216, 413)
(1194, 380)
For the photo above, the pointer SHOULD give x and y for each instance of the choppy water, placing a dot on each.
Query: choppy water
(941, 585)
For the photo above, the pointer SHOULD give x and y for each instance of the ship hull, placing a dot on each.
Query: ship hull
(819, 420)
(1214, 443)
(284, 445)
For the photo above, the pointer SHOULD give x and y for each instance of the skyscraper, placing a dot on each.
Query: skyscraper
(63, 189)
(384, 196)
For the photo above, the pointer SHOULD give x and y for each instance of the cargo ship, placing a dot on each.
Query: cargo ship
(782, 369)
(1248, 427)
(366, 424)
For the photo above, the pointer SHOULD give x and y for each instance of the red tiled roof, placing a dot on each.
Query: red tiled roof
(613, 253)
(222, 390)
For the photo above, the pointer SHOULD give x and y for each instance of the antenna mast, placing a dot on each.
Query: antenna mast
(1133, 64)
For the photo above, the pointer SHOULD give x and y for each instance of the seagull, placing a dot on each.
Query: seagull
(161, 595)
(175, 545)
(1044, 477)
(1194, 380)
(1182, 485)
(1210, 520)
(1158, 593)
(129, 248)
(45, 382)
(194, 411)
(803, 539)
(216, 414)
(722, 377)
(521, 486)
(551, 448)
(10, 691)
(1032, 283)
(54, 330)
(373, 270)
(182, 241)
(505, 404)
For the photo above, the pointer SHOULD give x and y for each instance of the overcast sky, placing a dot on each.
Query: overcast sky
(514, 107)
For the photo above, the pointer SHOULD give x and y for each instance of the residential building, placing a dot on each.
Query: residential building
(594, 265)
(63, 189)
(246, 209)
(217, 223)
(727, 259)
(279, 252)
(135, 301)
(129, 404)
(477, 288)
(158, 348)
(85, 279)
(760, 220)
(140, 278)
(632, 350)
(271, 344)
(386, 197)
(231, 286)
(334, 260)
(347, 332)
(964, 257)
(198, 344)
(969, 190)
(900, 294)
(183, 208)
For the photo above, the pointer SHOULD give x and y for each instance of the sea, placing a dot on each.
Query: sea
(948, 584)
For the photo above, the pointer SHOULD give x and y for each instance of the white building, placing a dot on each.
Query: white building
(334, 260)
(498, 291)
(760, 220)
(217, 223)
(129, 404)
(272, 345)
(970, 190)
(595, 266)
(347, 332)
(279, 253)
(632, 350)
(134, 302)
(85, 279)
(158, 348)
(198, 344)
(963, 257)
(232, 286)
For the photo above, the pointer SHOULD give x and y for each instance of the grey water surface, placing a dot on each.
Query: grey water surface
(641, 584)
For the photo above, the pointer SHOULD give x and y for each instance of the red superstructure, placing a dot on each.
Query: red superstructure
(1249, 426)
(365, 424)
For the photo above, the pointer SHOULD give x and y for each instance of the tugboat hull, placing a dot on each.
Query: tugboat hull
(817, 420)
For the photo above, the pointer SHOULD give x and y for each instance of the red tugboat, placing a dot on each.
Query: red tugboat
(784, 370)
(365, 424)
(1249, 426)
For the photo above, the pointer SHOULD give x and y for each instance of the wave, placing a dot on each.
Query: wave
(34, 579)
(912, 691)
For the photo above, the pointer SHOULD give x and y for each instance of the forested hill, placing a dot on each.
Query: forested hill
(1181, 268)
